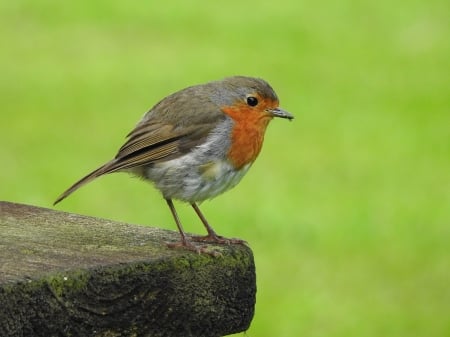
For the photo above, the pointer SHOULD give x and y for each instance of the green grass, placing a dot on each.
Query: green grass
(347, 208)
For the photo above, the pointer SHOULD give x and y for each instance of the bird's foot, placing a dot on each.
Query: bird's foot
(214, 238)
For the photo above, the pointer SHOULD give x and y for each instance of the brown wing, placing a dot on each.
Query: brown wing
(148, 143)
(170, 129)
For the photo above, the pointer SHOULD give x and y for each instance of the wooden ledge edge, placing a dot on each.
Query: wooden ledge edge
(63, 273)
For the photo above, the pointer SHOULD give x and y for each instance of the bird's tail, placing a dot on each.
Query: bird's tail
(107, 168)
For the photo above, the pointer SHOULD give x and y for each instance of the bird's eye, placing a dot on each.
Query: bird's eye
(252, 101)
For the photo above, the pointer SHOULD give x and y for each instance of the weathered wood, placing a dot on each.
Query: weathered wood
(65, 274)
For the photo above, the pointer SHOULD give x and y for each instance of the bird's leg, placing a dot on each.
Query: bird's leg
(212, 236)
(184, 243)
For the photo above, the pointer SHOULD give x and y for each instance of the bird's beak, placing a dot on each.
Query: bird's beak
(278, 112)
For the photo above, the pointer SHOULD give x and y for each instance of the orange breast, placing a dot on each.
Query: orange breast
(247, 133)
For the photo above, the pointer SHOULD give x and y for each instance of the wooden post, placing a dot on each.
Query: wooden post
(65, 274)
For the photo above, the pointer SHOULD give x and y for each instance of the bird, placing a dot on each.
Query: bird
(196, 144)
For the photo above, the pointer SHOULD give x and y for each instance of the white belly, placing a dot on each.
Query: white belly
(183, 180)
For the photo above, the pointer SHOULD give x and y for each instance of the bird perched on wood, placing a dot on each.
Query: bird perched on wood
(197, 143)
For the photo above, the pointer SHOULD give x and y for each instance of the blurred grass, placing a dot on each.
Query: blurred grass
(347, 208)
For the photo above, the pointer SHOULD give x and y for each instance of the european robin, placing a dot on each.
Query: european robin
(197, 143)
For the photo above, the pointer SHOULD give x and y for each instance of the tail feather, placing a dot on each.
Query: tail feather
(107, 168)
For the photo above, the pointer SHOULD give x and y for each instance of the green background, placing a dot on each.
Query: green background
(347, 207)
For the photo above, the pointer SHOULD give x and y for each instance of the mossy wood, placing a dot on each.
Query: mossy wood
(65, 274)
